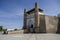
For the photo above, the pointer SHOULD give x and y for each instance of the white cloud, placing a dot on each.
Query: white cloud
(14, 13)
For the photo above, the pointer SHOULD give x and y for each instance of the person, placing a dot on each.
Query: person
(5, 31)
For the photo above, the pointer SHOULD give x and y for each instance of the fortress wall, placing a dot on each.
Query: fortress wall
(51, 24)
(58, 28)
(42, 24)
(16, 32)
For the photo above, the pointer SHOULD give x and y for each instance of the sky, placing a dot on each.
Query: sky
(11, 11)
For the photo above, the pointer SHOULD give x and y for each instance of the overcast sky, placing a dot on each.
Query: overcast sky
(11, 11)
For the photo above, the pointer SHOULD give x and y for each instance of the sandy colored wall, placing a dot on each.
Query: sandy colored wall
(51, 24)
(16, 32)
(42, 24)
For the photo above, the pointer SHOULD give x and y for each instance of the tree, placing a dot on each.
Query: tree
(1, 28)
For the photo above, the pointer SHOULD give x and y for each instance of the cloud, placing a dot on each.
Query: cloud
(13, 19)
(15, 13)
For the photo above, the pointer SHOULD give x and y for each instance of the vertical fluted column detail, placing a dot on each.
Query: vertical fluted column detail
(36, 15)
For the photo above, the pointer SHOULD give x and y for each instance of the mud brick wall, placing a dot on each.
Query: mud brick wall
(42, 24)
(51, 24)
(58, 27)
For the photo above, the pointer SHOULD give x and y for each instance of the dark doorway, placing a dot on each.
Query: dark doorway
(31, 25)
(33, 29)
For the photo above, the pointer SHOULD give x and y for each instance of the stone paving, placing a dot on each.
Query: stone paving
(30, 37)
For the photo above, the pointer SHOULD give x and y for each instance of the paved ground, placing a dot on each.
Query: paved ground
(30, 37)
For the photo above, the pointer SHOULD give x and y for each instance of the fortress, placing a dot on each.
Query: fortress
(35, 21)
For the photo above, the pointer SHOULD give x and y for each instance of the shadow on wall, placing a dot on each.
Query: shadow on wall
(58, 29)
